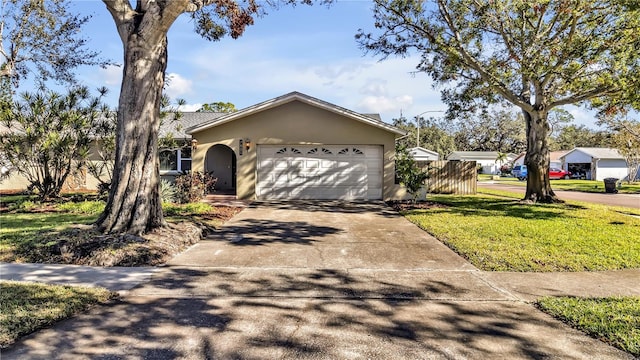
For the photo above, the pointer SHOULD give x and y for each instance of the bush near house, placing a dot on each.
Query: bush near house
(49, 136)
(193, 187)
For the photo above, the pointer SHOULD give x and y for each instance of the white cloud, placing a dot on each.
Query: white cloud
(382, 104)
(248, 72)
(374, 87)
(111, 75)
(582, 116)
(190, 107)
(178, 85)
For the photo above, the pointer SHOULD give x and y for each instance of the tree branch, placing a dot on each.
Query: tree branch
(123, 15)
(593, 93)
(493, 82)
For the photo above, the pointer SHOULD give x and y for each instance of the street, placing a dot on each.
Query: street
(624, 200)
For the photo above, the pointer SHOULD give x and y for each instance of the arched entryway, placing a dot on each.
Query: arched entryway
(220, 162)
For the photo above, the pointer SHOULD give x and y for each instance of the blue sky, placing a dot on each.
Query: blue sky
(306, 49)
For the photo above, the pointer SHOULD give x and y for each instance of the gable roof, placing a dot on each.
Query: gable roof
(186, 120)
(421, 150)
(370, 119)
(477, 155)
(553, 155)
(597, 153)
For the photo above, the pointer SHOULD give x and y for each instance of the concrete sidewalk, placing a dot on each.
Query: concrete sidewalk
(532, 286)
(519, 286)
(120, 279)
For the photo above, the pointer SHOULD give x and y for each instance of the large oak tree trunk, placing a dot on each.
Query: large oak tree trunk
(134, 205)
(537, 158)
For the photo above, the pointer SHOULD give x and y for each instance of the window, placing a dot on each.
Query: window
(175, 160)
(169, 160)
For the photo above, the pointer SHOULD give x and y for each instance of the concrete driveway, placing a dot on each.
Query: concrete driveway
(315, 280)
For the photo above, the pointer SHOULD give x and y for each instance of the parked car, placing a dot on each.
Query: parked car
(519, 172)
(555, 173)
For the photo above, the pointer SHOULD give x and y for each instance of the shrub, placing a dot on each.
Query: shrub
(49, 136)
(193, 187)
(167, 191)
(408, 172)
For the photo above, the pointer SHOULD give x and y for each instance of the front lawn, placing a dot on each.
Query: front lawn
(26, 307)
(504, 234)
(60, 233)
(613, 320)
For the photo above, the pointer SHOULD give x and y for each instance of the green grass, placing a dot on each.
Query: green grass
(503, 234)
(26, 307)
(592, 186)
(22, 234)
(613, 320)
(84, 207)
(186, 209)
(499, 193)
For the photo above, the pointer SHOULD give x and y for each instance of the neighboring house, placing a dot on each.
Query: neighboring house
(290, 147)
(298, 147)
(595, 163)
(177, 160)
(555, 158)
(487, 160)
(422, 154)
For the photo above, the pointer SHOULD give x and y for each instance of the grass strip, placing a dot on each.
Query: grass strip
(614, 320)
(504, 234)
(590, 186)
(26, 307)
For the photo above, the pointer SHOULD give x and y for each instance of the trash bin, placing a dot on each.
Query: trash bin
(610, 185)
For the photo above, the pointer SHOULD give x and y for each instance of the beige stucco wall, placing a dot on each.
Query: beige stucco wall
(292, 123)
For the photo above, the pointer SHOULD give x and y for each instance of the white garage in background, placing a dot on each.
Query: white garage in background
(595, 163)
(344, 172)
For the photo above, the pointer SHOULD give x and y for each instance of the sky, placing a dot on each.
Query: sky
(309, 49)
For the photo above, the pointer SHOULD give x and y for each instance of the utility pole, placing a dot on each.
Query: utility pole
(418, 118)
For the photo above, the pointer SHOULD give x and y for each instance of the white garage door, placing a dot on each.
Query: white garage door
(346, 172)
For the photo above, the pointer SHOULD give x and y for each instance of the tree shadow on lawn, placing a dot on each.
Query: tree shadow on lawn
(317, 314)
(480, 206)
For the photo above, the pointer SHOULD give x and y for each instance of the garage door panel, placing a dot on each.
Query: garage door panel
(319, 172)
(328, 164)
(281, 164)
(312, 164)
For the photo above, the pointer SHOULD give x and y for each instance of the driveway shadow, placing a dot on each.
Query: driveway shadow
(254, 232)
(332, 206)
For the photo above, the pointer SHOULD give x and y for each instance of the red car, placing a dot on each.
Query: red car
(555, 173)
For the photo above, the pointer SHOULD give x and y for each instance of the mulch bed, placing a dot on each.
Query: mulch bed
(83, 245)
(408, 205)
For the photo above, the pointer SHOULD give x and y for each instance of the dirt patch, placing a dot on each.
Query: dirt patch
(407, 205)
(83, 245)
